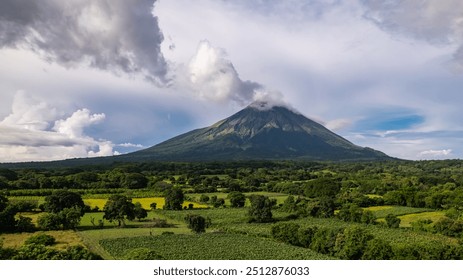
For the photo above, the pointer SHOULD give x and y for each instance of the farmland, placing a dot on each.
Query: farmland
(210, 246)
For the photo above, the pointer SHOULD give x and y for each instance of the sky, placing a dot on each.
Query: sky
(83, 78)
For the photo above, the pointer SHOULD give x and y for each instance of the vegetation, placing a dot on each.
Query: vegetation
(371, 210)
(119, 208)
(209, 246)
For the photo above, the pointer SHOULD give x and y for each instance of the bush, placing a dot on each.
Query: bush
(41, 239)
(368, 217)
(287, 232)
(24, 224)
(351, 243)
(378, 249)
(392, 221)
(143, 254)
(237, 199)
(49, 221)
(305, 236)
(196, 223)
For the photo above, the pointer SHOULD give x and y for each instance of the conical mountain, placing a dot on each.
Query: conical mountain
(259, 132)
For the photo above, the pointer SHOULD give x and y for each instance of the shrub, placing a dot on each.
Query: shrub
(286, 232)
(49, 221)
(392, 221)
(378, 249)
(196, 223)
(143, 254)
(41, 239)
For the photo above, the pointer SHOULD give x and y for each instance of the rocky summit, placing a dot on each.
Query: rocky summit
(259, 132)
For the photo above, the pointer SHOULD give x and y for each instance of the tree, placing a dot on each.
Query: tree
(261, 209)
(119, 208)
(368, 217)
(139, 211)
(7, 219)
(219, 202)
(174, 199)
(70, 217)
(196, 223)
(153, 206)
(351, 243)
(378, 249)
(62, 199)
(135, 181)
(237, 199)
(3, 202)
(49, 221)
(392, 221)
(203, 198)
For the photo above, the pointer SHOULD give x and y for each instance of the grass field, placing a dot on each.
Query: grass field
(64, 238)
(406, 220)
(210, 246)
(383, 211)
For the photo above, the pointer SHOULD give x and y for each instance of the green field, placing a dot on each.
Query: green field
(210, 246)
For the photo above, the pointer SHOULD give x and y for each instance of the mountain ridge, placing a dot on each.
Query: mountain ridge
(260, 132)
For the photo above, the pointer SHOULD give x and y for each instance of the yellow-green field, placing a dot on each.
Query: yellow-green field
(379, 208)
(145, 202)
(406, 220)
(64, 238)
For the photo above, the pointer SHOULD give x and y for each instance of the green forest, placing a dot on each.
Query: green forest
(234, 210)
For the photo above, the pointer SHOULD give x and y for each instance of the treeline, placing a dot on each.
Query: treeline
(356, 243)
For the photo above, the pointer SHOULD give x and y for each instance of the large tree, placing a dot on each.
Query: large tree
(62, 199)
(237, 199)
(119, 208)
(261, 209)
(174, 199)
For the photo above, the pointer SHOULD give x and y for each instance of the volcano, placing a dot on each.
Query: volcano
(259, 132)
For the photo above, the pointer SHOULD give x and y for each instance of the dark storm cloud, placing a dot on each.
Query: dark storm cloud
(114, 35)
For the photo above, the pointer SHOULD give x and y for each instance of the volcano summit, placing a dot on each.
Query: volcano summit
(259, 132)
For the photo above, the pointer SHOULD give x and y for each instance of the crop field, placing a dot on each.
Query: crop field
(383, 211)
(210, 246)
(145, 202)
(434, 216)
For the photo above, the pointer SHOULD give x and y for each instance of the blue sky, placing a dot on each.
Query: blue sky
(91, 78)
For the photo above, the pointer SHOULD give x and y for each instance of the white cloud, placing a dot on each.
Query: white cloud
(33, 132)
(75, 124)
(130, 145)
(29, 114)
(338, 124)
(436, 153)
(213, 77)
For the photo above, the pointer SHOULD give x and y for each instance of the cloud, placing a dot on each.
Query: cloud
(338, 124)
(34, 132)
(437, 22)
(435, 153)
(75, 124)
(29, 114)
(114, 35)
(213, 77)
(130, 145)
